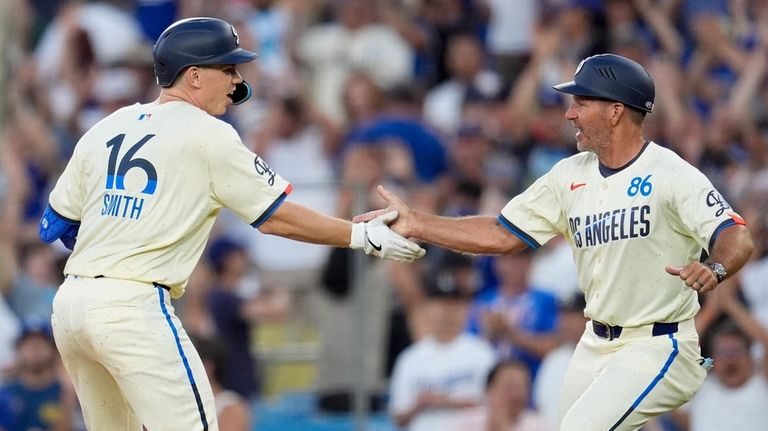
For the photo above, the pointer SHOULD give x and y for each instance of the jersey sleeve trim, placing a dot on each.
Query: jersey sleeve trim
(720, 228)
(66, 219)
(527, 239)
(272, 208)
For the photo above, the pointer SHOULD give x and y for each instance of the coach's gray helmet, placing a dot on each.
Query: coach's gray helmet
(196, 42)
(612, 77)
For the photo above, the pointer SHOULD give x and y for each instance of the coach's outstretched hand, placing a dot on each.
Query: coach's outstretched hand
(402, 225)
(376, 238)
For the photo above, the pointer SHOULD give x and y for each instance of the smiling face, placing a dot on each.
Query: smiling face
(217, 82)
(590, 117)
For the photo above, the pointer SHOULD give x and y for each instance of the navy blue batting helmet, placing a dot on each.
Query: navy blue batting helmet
(199, 41)
(612, 77)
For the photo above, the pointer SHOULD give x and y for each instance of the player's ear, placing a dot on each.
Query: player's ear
(615, 112)
(192, 76)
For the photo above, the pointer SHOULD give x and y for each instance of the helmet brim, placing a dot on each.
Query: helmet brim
(236, 56)
(572, 87)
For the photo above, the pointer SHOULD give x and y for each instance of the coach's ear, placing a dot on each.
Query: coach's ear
(615, 112)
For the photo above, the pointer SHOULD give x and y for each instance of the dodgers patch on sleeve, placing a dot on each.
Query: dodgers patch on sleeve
(263, 168)
(716, 201)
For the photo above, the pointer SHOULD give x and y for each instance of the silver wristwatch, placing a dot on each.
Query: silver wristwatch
(718, 269)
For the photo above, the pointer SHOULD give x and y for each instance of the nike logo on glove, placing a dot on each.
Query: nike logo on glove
(375, 247)
(576, 186)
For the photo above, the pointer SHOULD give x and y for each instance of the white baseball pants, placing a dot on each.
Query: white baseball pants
(130, 360)
(619, 385)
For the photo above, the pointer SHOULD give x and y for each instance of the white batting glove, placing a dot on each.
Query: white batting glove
(376, 238)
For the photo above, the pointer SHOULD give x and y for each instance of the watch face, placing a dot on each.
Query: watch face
(719, 270)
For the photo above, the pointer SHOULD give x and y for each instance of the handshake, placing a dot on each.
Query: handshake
(376, 238)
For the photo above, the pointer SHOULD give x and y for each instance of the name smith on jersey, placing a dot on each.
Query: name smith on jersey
(123, 206)
(616, 225)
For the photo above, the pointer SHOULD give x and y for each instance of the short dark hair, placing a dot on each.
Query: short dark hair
(219, 251)
(730, 329)
(637, 116)
(213, 350)
(507, 363)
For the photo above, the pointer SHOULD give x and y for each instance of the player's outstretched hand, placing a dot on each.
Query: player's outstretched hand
(376, 238)
(402, 224)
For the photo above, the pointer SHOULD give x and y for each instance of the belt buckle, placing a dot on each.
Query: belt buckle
(608, 330)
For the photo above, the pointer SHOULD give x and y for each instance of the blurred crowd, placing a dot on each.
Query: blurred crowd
(447, 102)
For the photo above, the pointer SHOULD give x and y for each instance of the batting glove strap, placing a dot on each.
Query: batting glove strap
(376, 238)
(357, 241)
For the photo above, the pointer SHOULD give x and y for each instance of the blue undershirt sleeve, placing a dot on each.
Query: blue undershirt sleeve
(54, 226)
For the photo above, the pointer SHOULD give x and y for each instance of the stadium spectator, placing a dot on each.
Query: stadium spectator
(362, 99)
(561, 283)
(735, 394)
(437, 378)
(441, 20)
(507, 407)
(235, 305)
(511, 27)
(354, 41)
(6, 412)
(468, 74)
(516, 315)
(470, 154)
(549, 380)
(232, 410)
(9, 331)
(31, 293)
(39, 399)
(581, 23)
(531, 121)
(273, 26)
(295, 142)
(410, 150)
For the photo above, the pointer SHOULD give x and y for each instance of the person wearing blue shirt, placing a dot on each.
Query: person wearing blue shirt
(33, 398)
(506, 315)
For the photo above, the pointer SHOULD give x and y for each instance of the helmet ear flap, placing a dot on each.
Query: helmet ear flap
(243, 92)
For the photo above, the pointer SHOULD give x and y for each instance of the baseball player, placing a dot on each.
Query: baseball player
(136, 203)
(648, 233)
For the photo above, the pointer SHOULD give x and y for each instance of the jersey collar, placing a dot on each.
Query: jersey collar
(606, 172)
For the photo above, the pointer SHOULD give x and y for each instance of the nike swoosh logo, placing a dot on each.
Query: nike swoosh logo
(375, 247)
(576, 186)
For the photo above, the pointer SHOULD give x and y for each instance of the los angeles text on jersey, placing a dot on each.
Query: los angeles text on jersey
(123, 206)
(615, 225)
